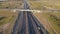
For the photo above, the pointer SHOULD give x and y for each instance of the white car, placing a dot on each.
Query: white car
(39, 28)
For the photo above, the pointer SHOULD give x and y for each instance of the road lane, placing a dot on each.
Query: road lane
(31, 28)
(15, 28)
(29, 24)
(34, 25)
(22, 31)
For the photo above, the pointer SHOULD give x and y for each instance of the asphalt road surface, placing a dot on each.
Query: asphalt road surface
(27, 23)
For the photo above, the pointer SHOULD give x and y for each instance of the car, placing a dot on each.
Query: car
(39, 28)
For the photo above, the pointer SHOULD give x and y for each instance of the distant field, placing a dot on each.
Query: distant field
(39, 5)
(6, 16)
(52, 4)
(54, 19)
(34, 5)
(11, 4)
(43, 0)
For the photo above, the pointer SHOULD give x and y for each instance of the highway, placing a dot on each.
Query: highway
(27, 23)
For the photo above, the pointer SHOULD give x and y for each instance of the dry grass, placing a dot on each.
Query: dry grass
(52, 4)
(9, 15)
(11, 4)
(54, 19)
(34, 5)
(41, 4)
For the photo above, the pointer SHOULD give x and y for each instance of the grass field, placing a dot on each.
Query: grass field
(6, 16)
(52, 4)
(40, 4)
(11, 4)
(35, 5)
(54, 19)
